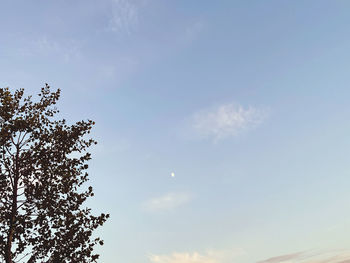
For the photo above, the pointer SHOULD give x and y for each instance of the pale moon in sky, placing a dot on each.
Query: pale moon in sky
(172, 174)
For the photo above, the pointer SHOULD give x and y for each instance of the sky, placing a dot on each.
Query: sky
(223, 126)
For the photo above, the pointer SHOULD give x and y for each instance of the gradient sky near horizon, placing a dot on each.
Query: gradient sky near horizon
(246, 102)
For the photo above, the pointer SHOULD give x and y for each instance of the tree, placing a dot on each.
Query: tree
(43, 163)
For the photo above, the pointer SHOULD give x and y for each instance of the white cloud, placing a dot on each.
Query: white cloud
(227, 120)
(125, 16)
(211, 256)
(167, 202)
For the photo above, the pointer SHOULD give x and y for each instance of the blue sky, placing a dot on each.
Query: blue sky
(246, 102)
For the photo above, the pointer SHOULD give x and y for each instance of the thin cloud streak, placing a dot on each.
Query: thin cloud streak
(284, 258)
(167, 202)
(338, 256)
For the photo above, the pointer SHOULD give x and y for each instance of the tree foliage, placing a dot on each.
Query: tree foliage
(43, 163)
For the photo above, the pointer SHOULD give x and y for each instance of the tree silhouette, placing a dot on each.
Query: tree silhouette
(43, 164)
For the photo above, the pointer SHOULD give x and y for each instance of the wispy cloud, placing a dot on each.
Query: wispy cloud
(125, 16)
(227, 120)
(167, 202)
(193, 31)
(336, 256)
(67, 49)
(211, 256)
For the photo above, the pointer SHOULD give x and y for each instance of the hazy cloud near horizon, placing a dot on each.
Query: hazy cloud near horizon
(225, 256)
(210, 256)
